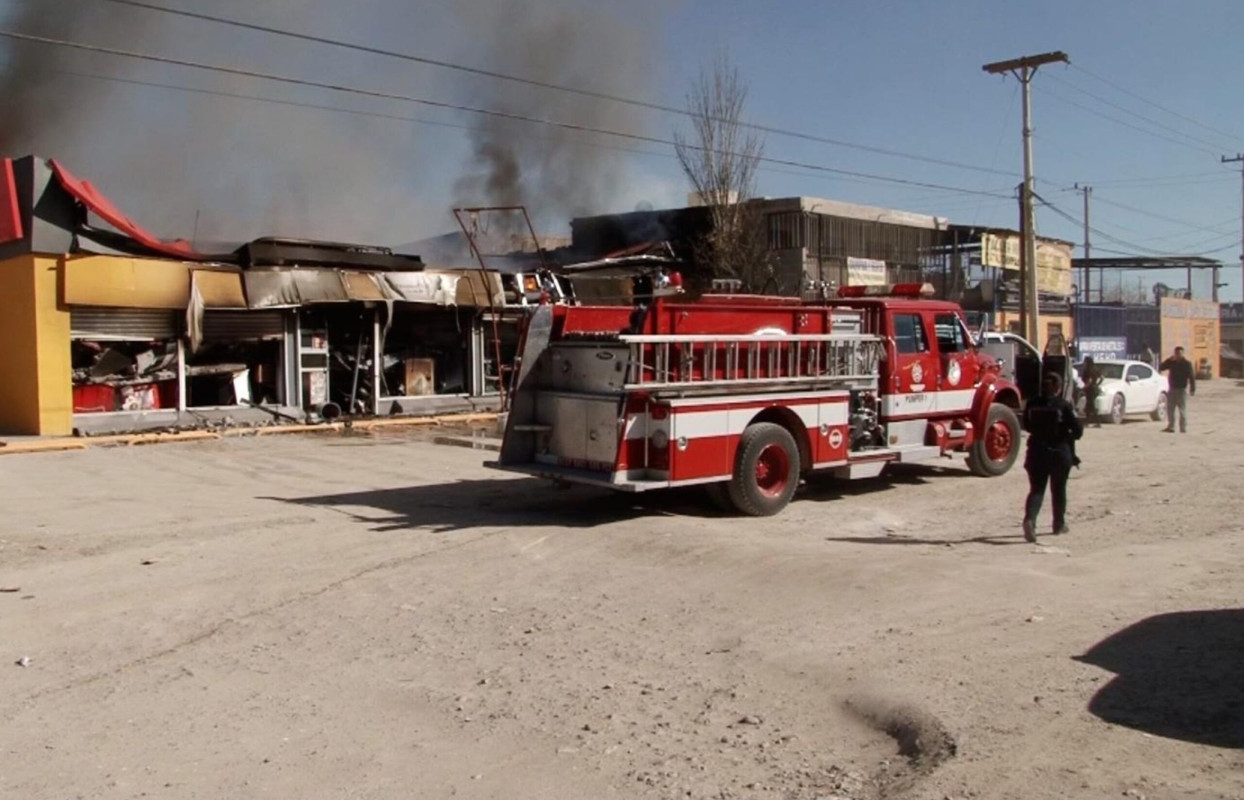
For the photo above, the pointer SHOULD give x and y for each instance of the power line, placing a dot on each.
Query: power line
(1130, 93)
(1131, 113)
(997, 147)
(339, 110)
(615, 98)
(437, 123)
(1118, 121)
(1135, 247)
(1164, 179)
(1164, 218)
(506, 115)
(1080, 223)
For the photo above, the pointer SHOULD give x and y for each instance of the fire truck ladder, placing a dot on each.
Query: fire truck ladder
(660, 363)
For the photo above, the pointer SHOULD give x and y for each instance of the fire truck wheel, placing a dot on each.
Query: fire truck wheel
(995, 451)
(766, 470)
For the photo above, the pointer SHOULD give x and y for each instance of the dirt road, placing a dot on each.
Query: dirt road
(378, 618)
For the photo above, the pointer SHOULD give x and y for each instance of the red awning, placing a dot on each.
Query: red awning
(10, 212)
(105, 210)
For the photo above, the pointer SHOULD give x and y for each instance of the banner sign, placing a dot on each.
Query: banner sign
(865, 272)
(1053, 260)
(1103, 346)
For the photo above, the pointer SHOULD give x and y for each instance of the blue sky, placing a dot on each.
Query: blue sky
(1149, 104)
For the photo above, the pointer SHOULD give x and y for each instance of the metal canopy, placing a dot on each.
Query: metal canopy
(1143, 263)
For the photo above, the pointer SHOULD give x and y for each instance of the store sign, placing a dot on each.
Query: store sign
(1232, 313)
(1103, 347)
(1000, 252)
(865, 272)
(1053, 260)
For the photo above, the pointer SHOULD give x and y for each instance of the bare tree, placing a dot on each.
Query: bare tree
(719, 158)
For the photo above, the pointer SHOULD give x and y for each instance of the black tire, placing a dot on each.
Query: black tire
(766, 470)
(1118, 409)
(1159, 414)
(719, 496)
(1001, 428)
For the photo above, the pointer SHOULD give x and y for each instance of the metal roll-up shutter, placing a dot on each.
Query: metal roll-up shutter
(123, 324)
(222, 326)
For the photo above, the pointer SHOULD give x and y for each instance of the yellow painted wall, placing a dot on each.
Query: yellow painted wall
(36, 388)
(1195, 326)
(19, 390)
(121, 282)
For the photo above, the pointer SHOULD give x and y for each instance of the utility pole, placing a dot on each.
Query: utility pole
(1088, 293)
(1024, 69)
(1239, 158)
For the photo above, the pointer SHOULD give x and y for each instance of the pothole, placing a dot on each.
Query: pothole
(923, 741)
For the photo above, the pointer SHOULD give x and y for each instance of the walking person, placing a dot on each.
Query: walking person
(1090, 373)
(1052, 431)
(1182, 380)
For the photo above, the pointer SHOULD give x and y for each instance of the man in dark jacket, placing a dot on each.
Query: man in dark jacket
(1182, 381)
(1052, 431)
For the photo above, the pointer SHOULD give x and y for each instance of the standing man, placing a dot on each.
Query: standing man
(1052, 431)
(1182, 381)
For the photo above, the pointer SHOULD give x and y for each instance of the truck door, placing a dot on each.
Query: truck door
(958, 362)
(913, 381)
(1057, 359)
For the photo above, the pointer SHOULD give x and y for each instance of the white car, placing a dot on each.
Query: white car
(1130, 388)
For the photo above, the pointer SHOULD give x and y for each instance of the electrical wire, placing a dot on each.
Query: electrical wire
(1131, 113)
(1125, 124)
(998, 144)
(1135, 247)
(1161, 217)
(1167, 180)
(506, 115)
(419, 121)
(548, 85)
(1130, 93)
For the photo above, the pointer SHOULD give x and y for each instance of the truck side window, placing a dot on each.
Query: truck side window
(909, 335)
(950, 335)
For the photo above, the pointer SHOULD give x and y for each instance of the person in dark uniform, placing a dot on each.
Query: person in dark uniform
(1052, 431)
(1090, 373)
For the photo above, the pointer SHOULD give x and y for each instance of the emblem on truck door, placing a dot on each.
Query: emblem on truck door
(917, 373)
(953, 373)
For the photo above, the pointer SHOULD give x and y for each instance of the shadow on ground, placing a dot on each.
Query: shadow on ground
(1180, 676)
(474, 503)
(1001, 540)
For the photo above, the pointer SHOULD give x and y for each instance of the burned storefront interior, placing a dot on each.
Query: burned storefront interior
(120, 331)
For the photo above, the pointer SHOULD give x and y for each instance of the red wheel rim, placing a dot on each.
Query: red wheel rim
(998, 441)
(772, 470)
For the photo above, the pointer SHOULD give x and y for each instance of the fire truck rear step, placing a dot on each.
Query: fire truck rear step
(917, 452)
(572, 474)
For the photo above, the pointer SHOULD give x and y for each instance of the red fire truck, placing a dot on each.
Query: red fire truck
(745, 394)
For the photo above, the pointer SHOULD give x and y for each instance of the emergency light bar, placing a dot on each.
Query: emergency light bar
(912, 290)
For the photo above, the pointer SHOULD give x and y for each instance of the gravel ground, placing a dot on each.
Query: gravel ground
(381, 616)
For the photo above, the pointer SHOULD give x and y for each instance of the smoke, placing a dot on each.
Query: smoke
(556, 173)
(223, 168)
(33, 93)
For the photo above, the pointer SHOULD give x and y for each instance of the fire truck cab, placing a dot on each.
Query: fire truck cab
(746, 394)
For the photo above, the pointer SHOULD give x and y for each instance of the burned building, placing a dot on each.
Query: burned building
(110, 328)
(814, 245)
